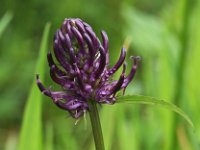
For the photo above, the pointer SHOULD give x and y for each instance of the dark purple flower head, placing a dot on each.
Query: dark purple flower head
(82, 68)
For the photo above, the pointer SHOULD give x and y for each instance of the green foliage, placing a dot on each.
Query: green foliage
(49, 144)
(156, 29)
(4, 22)
(139, 99)
(31, 131)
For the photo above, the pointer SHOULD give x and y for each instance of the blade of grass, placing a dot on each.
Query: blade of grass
(182, 61)
(5, 21)
(153, 101)
(108, 128)
(127, 129)
(65, 134)
(49, 136)
(192, 78)
(159, 57)
(31, 131)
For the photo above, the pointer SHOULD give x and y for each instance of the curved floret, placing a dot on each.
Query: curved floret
(81, 68)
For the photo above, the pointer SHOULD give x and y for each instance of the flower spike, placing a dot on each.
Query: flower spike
(82, 70)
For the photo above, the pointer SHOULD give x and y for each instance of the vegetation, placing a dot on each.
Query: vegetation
(165, 34)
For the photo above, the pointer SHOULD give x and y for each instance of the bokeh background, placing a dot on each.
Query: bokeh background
(165, 33)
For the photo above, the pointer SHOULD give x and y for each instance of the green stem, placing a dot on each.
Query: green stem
(184, 38)
(96, 125)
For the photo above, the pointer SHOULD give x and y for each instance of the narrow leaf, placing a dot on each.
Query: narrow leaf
(31, 131)
(4, 22)
(49, 136)
(139, 99)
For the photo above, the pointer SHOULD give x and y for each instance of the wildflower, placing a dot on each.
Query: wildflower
(82, 69)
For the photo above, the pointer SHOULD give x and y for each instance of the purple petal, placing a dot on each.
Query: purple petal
(70, 48)
(119, 62)
(118, 85)
(90, 48)
(79, 77)
(105, 45)
(102, 64)
(105, 40)
(74, 106)
(93, 37)
(79, 37)
(51, 63)
(55, 77)
(80, 26)
(42, 88)
(68, 27)
(128, 79)
(60, 56)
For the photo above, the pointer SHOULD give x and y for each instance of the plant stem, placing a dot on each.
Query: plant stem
(184, 38)
(96, 125)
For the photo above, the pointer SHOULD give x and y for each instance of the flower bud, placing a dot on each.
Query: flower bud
(81, 68)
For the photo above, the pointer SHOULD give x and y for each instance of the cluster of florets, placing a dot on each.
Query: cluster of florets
(82, 69)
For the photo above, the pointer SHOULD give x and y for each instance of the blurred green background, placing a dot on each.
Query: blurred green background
(165, 33)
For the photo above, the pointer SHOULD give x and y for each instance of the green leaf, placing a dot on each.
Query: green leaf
(139, 99)
(49, 136)
(31, 131)
(5, 21)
